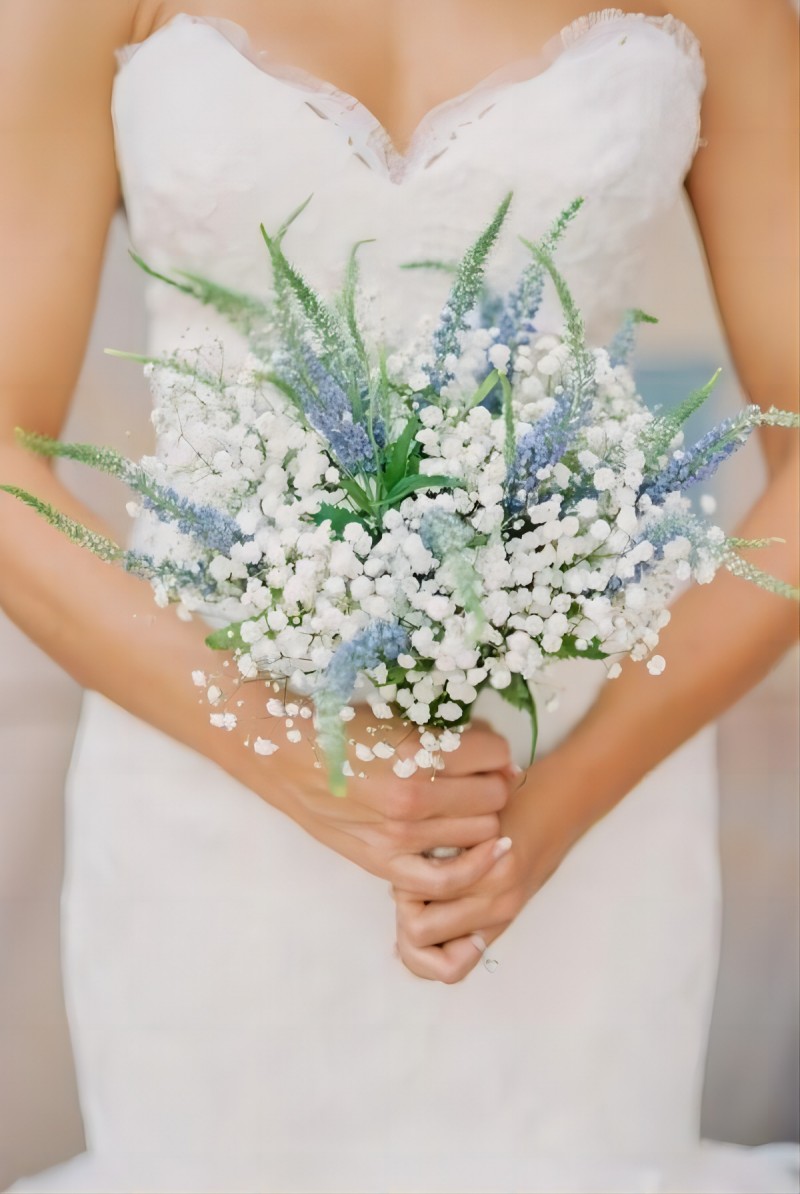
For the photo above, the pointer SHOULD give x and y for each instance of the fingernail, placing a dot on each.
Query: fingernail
(516, 769)
(501, 847)
(478, 942)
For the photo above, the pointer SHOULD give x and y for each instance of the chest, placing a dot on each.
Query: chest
(214, 137)
(401, 58)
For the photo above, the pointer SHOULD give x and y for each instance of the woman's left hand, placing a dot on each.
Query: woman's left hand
(445, 939)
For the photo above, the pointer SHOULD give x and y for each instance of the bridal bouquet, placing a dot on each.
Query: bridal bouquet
(406, 524)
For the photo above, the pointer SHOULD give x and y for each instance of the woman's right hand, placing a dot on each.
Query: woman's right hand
(384, 823)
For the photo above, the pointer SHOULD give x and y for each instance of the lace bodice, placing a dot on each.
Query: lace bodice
(213, 138)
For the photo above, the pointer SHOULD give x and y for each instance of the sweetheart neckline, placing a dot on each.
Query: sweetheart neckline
(395, 162)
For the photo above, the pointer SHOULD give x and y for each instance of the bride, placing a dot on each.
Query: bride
(250, 1011)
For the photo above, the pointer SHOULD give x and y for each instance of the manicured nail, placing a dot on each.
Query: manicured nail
(501, 847)
(478, 942)
(516, 769)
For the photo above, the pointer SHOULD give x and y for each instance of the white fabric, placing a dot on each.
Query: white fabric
(239, 1020)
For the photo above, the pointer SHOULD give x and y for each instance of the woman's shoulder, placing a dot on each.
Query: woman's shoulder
(738, 26)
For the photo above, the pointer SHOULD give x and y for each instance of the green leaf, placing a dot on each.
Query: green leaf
(738, 566)
(636, 315)
(339, 517)
(290, 219)
(569, 650)
(664, 429)
(529, 288)
(349, 303)
(214, 382)
(520, 696)
(510, 442)
(449, 267)
(132, 356)
(288, 391)
(331, 739)
(398, 456)
(483, 390)
(358, 495)
(227, 638)
(325, 322)
(99, 545)
(622, 344)
(466, 288)
(240, 310)
(105, 460)
(409, 484)
(574, 337)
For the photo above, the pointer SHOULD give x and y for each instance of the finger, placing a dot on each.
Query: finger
(421, 796)
(446, 964)
(435, 923)
(414, 837)
(445, 879)
(516, 776)
(481, 749)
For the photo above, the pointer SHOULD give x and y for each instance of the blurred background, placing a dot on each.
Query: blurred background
(753, 1073)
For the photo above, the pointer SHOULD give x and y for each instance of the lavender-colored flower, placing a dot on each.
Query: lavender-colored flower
(701, 461)
(212, 528)
(516, 322)
(543, 445)
(379, 642)
(328, 409)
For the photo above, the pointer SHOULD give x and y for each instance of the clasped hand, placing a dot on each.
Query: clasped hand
(447, 910)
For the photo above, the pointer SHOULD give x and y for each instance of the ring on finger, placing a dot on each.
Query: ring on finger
(443, 852)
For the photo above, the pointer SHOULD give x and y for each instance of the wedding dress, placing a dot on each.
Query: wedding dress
(239, 1019)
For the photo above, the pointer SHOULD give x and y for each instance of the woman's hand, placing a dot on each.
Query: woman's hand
(444, 938)
(384, 823)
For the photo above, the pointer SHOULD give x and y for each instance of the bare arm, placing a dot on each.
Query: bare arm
(59, 193)
(743, 187)
(723, 637)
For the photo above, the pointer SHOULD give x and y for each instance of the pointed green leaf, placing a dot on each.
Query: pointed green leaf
(99, 545)
(227, 638)
(520, 696)
(105, 460)
(466, 288)
(398, 456)
(449, 267)
(664, 429)
(339, 517)
(510, 441)
(349, 302)
(569, 650)
(483, 390)
(354, 491)
(409, 484)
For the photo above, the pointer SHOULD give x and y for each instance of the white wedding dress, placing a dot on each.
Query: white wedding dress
(239, 1019)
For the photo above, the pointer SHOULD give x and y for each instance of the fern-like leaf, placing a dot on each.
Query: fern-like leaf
(99, 545)
(621, 347)
(466, 289)
(248, 315)
(664, 428)
(743, 568)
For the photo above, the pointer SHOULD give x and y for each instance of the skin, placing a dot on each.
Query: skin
(55, 84)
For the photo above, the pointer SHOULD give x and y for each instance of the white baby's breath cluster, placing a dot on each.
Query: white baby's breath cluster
(405, 525)
(570, 572)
